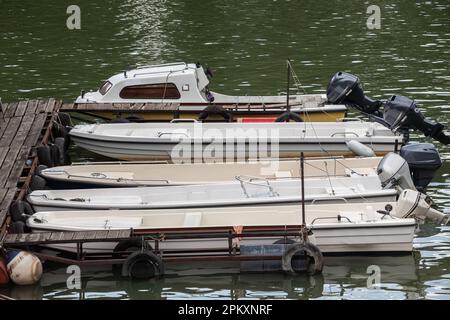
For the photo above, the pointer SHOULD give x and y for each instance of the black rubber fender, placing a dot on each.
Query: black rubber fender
(45, 156)
(215, 110)
(65, 119)
(20, 211)
(288, 115)
(17, 227)
(54, 153)
(310, 250)
(135, 244)
(60, 143)
(38, 183)
(143, 265)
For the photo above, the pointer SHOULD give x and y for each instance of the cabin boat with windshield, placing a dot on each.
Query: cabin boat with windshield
(186, 85)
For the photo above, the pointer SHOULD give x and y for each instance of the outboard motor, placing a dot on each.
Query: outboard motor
(423, 160)
(394, 171)
(413, 204)
(400, 113)
(346, 88)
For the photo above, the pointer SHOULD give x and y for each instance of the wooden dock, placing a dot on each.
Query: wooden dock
(23, 126)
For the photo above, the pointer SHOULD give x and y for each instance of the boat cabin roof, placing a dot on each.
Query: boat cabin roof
(155, 82)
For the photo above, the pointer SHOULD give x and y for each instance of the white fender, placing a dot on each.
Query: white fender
(360, 149)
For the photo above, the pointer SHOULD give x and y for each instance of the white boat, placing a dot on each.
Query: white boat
(217, 141)
(244, 192)
(134, 174)
(336, 228)
(187, 85)
(358, 227)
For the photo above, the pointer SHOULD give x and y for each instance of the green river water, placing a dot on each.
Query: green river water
(246, 43)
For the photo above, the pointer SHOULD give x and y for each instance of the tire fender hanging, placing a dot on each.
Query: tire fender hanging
(215, 110)
(310, 250)
(288, 115)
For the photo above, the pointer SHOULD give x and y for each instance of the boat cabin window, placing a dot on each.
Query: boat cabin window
(151, 91)
(104, 88)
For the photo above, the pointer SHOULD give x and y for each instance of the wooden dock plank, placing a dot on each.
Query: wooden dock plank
(42, 106)
(3, 107)
(50, 105)
(17, 168)
(21, 107)
(11, 110)
(10, 132)
(32, 105)
(3, 125)
(36, 129)
(5, 203)
(7, 165)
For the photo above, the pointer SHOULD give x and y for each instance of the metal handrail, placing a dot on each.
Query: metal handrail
(328, 199)
(183, 120)
(250, 181)
(352, 119)
(162, 65)
(345, 133)
(338, 217)
(160, 134)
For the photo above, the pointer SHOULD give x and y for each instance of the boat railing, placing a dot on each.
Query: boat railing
(345, 133)
(243, 180)
(338, 218)
(181, 63)
(328, 199)
(160, 134)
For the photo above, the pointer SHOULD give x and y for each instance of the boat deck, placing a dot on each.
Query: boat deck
(23, 126)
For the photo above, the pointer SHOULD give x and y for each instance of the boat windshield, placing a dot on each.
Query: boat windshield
(104, 88)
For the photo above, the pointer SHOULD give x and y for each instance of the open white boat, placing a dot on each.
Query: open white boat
(134, 174)
(336, 228)
(358, 227)
(217, 141)
(246, 191)
(187, 85)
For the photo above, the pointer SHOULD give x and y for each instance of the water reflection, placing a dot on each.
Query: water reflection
(342, 278)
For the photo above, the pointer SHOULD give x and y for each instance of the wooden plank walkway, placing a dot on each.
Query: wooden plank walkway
(22, 127)
(26, 239)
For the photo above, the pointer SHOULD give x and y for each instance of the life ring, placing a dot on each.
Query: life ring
(288, 115)
(38, 183)
(45, 156)
(310, 250)
(20, 211)
(215, 110)
(143, 265)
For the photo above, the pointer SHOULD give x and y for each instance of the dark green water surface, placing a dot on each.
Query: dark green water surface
(246, 43)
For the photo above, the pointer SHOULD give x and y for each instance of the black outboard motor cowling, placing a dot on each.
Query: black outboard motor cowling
(400, 113)
(423, 161)
(346, 88)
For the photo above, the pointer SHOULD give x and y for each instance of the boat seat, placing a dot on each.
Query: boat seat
(283, 174)
(192, 219)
